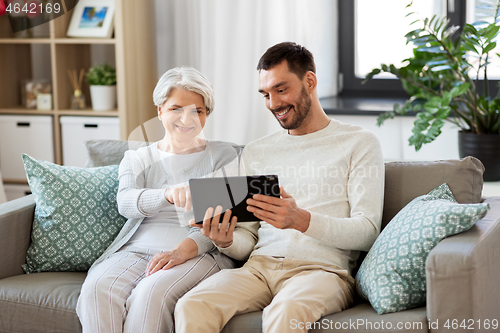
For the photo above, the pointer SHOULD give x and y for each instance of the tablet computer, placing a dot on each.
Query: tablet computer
(230, 193)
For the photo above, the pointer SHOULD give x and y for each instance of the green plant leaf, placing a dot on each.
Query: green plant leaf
(495, 128)
(421, 41)
(480, 23)
(424, 117)
(443, 112)
(438, 62)
(440, 68)
(431, 107)
(101, 75)
(371, 75)
(414, 22)
(450, 31)
(434, 49)
(460, 89)
(434, 130)
(437, 76)
(417, 140)
(447, 96)
(470, 47)
(384, 116)
(489, 47)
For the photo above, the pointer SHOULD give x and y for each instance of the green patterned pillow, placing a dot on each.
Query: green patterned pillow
(392, 276)
(76, 215)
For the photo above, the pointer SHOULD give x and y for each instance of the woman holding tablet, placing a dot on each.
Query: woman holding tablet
(157, 257)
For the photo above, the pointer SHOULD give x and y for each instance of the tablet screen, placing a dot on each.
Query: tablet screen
(230, 193)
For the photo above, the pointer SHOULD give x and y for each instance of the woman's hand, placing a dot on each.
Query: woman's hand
(179, 196)
(186, 250)
(220, 234)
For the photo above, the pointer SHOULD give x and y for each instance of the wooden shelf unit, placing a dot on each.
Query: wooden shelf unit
(134, 50)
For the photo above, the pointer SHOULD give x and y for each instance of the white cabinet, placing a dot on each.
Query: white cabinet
(15, 191)
(19, 134)
(76, 130)
(445, 147)
(394, 135)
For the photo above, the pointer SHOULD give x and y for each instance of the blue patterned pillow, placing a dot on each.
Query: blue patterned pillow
(392, 276)
(76, 215)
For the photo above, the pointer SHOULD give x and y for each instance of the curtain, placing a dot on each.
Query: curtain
(224, 39)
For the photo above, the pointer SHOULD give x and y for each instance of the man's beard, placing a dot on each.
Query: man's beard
(301, 111)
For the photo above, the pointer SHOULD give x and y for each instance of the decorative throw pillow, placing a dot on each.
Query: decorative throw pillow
(109, 152)
(392, 276)
(76, 215)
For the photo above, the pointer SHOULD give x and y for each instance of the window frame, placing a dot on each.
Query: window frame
(350, 85)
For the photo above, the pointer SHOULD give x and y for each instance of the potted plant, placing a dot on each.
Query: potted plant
(443, 81)
(102, 81)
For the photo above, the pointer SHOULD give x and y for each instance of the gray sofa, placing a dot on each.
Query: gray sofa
(462, 271)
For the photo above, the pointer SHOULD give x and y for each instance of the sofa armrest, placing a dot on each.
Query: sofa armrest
(16, 219)
(462, 276)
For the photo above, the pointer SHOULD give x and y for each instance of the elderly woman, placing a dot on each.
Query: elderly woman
(157, 257)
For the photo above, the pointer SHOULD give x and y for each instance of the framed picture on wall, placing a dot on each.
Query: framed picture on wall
(92, 18)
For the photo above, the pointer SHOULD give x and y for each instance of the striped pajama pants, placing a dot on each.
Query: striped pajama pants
(117, 297)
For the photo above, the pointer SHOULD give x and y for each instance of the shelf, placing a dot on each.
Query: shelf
(22, 110)
(84, 41)
(88, 112)
(25, 40)
(50, 54)
(110, 41)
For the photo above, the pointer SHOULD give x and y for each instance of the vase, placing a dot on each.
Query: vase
(486, 148)
(103, 97)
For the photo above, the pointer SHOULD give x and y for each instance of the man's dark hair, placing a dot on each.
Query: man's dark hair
(299, 59)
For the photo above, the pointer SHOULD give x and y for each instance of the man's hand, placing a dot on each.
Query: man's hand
(186, 250)
(179, 196)
(282, 213)
(220, 234)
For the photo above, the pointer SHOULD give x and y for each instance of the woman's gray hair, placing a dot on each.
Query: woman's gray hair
(186, 78)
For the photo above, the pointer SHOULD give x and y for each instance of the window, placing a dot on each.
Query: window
(476, 12)
(372, 32)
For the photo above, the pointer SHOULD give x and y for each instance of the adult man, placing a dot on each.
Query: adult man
(330, 209)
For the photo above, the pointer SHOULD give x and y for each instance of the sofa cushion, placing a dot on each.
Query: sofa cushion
(76, 215)
(362, 318)
(392, 276)
(108, 152)
(42, 302)
(405, 181)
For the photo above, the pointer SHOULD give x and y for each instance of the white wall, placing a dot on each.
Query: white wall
(394, 135)
(225, 39)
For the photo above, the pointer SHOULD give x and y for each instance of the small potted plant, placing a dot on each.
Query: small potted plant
(102, 81)
(442, 79)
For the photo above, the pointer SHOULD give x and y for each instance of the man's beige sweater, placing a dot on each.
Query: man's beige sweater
(337, 174)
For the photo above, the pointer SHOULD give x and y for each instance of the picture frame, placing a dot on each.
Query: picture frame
(92, 18)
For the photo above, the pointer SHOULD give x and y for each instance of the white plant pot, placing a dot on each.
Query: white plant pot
(103, 97)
